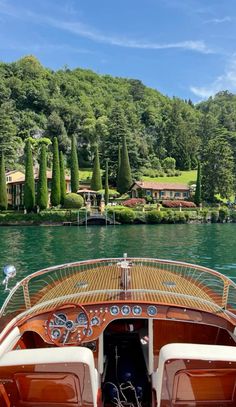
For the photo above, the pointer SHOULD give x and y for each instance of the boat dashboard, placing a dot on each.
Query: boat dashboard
(74, 324)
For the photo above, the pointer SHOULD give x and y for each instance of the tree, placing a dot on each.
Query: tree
(125, 178)
(74, 167)
(106, 185)
(42, 192)
(56, 185)
(198, 192)
(62, 178)
(118, 127)
(217, 169)
(169, 163)
(29, 188)
(96, 181)
(3, 185)
(118, 163)
(9, 142)
(56, 128)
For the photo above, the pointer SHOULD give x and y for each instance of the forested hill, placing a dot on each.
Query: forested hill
(38, 102)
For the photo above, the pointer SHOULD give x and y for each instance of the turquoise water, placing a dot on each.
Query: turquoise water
(33, 248)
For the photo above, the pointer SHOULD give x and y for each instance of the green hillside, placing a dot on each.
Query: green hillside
(98, 110)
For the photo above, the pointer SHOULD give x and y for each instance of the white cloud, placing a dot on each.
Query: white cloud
(219, 20)
(83, 31)
(78, 28)
(226, 81)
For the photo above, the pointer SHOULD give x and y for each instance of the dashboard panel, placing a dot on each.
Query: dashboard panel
(73, 324)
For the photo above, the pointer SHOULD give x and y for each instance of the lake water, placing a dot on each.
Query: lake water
(33, 248)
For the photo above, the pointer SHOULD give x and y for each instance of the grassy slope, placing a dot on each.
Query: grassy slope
(186, 177)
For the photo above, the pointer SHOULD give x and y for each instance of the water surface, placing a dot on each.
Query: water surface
(33, 248)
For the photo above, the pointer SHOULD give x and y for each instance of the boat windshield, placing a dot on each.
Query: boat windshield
(136, 279)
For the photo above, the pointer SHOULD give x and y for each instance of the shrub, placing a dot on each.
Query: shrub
(133, 202)
(179, 217)
(169, 163)
(233, 216)
(125, 216)
(204, 213)
(169, 216)
(140, 217)
(223, 214)
(154, 216)
(214, 216)
(73, 201)
(177, 203)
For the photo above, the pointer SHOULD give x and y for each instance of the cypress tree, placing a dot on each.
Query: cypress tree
(125, 178)
(198, 193)
(42, 192)
(3, 185)
(29, 188)
(56, 185)
(118, 164)
(96, 181)
(62, 178)
(106, 185)
(74, 167)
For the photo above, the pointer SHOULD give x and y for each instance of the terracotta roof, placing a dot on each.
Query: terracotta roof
(13, 172)
(49, 175)
(160, 186)
(36, 176)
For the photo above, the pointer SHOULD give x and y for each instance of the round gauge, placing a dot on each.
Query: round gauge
(69, 325)
(60, 319)
(87, 332)
(137, 310)
(114, 310)
(55, 334)
(81, 319)
(152, 310)
(95, 321)
(125, 310)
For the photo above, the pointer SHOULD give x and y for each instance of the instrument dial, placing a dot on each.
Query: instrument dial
(152, 310)
(55, 334)
(60, 319)
(125, 310)
(137, 310)
(95, 321)
(114, 310)
(69, 325)
(88, 331)
(81, 319)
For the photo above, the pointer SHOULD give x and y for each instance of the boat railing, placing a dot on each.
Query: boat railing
(177, 281)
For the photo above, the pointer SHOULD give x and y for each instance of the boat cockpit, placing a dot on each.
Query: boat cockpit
(119, 332)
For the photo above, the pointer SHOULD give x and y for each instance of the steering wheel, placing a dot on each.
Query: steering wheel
(59, 329)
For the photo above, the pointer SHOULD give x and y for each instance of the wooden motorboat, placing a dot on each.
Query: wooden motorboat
(133, 332)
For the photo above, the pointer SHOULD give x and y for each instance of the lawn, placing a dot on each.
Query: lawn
(85, 174)
(186, 177)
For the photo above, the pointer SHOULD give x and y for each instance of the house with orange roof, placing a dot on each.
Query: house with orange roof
(160, 190)
(15, 181)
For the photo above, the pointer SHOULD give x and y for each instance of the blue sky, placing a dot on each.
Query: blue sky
(184, 48)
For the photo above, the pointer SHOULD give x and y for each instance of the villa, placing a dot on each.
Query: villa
(15, 186)
(160, 190)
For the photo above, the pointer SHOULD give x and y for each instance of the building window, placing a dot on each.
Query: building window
(185, 194)
(177, 195)
(9, 179)
(148, 193)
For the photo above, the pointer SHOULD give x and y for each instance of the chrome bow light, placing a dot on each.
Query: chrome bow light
(9, 271)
